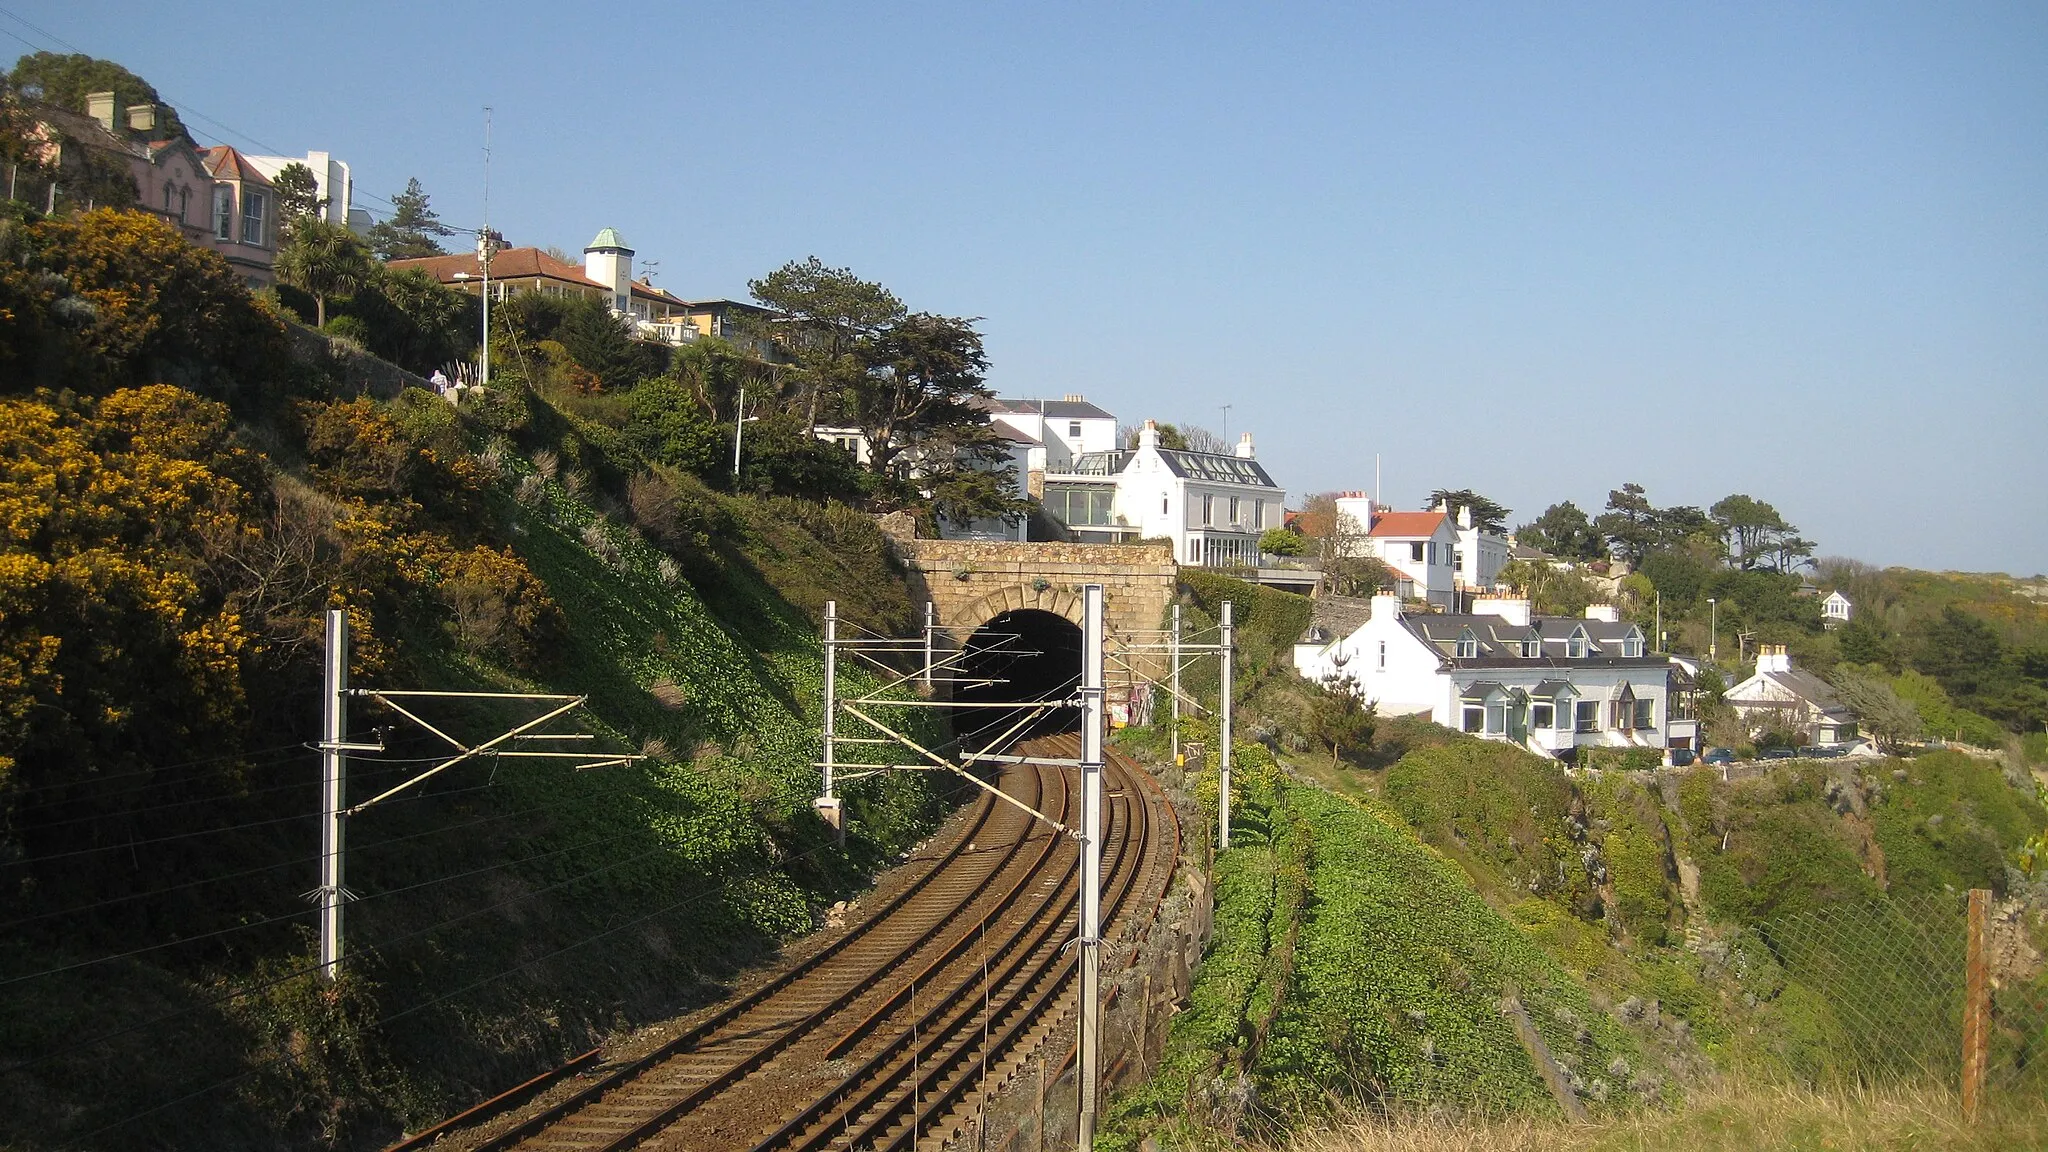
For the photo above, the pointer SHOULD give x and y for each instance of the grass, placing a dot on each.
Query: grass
(1727, 1115)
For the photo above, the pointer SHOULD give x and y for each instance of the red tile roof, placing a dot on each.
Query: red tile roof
(1406, 524)
(508, 264)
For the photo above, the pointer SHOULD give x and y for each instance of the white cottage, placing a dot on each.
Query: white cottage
(1786, 699)
(1552, 684)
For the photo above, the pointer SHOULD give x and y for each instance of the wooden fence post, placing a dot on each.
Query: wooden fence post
(1976, 1005)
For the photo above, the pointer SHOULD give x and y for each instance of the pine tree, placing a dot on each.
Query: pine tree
(411, 231)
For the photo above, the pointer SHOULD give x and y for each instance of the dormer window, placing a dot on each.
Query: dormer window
(1575, 648)
(1532, 648)
(1632, 645)
(1468, 646)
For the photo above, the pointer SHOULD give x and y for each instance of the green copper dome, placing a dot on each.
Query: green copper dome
(607, 238)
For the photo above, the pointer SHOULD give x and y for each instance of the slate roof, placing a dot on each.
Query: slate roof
(1406, 524)
(1807, 687)
(1500, 642)
(1013, 435)
(1215, 467)
(1053, 409)
(1339, 615)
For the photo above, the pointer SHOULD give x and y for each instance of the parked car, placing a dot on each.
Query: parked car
(1815, 752)
(1682, 757)
(1777, 754)
(1719, 756)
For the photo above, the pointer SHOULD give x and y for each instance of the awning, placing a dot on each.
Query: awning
(1551, 689)
(1479, 689)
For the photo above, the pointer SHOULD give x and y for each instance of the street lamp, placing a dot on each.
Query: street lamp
(740, 420)
(1713, 629)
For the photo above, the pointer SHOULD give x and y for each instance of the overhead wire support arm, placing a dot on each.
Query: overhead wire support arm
(467, 752)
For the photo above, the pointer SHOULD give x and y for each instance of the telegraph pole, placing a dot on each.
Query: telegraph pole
(333, 768)
(1223, 754)
(1090, 1027)
(484, 253)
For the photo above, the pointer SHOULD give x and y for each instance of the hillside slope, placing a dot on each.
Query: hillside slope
(169, 551)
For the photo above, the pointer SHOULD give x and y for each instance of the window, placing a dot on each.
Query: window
(1588, 716)
(253, 205)
(1632, 645)
(1468, 647)
(1496, 718)
(1073, 429)
(223, 212)
(169, 194)
(1575, 648)
(1162, 505)
(1474, 719)
(1208, 509)
(1415, 552)
(1646, 714)
(1383, 655)
(1429, 551)
(1233, 510)
(1532, 648)
(1542, 715)
(1564, 714)
(1457, 558)
(1258, 513)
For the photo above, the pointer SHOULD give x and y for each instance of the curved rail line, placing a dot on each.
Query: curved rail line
(881, 1037)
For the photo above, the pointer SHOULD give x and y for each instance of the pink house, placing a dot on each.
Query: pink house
(243, 215)
(215, 197)
(168, 175)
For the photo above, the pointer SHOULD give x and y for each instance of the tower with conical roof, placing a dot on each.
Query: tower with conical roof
(609, 262)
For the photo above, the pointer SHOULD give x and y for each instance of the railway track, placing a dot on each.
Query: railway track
(884, 1037)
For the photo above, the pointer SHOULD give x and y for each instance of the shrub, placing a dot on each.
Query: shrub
(499, 608)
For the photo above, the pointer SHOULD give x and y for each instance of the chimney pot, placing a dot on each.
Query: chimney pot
(1244, 447)
(1076, 398)
(100, 106)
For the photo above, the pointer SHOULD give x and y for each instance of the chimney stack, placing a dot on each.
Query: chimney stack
(1244, 447)
(1386, 606)
(100, 106)
(1603, 612)
(1148, 436)
(1514, 610)
(142, 119)
(1076, 398)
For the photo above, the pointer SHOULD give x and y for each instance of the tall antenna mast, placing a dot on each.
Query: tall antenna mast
(484, 252)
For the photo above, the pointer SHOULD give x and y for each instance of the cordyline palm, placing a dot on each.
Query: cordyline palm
(324, 260)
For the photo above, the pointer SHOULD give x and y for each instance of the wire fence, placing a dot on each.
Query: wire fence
(1883, 991)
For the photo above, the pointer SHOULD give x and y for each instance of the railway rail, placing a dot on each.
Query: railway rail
(888, 1035)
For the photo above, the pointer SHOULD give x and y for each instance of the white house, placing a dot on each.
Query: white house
(1783, 698)
(1479, 556)
(1212, 506)
(1552, 684)
(1836, 610)
(1064, 429)
(332, 180)
(1421, 547)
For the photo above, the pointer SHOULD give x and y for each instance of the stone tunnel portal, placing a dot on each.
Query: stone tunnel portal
(1026, 656)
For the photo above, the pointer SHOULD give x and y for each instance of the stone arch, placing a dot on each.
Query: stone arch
(1060, 602)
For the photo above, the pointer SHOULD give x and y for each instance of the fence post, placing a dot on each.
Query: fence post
(1976, 1006)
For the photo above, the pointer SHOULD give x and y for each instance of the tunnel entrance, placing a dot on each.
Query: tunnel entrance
(1030, 656)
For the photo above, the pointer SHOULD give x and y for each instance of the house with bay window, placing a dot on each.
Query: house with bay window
(1552, 684)
(244, 215)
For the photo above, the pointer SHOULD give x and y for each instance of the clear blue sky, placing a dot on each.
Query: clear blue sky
(1797, 251)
